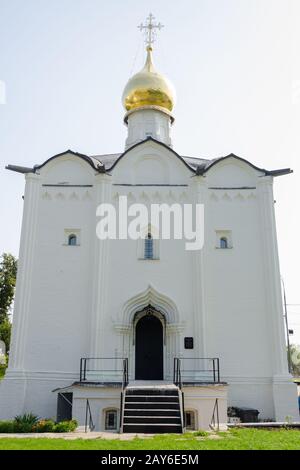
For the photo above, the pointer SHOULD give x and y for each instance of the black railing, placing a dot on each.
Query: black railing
(122, 398)
(215, 420)
(125, 373)
(121, 411)
(104, 369)
(183, 412)
(195, 369)
(177, 373)
(89, 424)
(177, 380)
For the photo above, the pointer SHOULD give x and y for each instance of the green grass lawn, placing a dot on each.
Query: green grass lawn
(236, 439)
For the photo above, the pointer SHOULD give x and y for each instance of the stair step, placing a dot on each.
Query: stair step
(152, 428)
(152, 391)
(149, 420)
(151, 398)
(151, 412)
(151, 405)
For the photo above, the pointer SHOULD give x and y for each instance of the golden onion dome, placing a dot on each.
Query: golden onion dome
(149, 88)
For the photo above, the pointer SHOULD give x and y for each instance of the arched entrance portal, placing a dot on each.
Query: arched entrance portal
(149, 348)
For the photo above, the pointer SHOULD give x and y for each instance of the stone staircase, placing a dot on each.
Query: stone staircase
(152, 409)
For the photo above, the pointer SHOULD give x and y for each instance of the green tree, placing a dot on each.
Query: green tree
(8, 273)
(5, 332)
(295, 359)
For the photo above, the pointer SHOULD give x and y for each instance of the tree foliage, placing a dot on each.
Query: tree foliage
(5, 332)
(295, 359)
(8, 273)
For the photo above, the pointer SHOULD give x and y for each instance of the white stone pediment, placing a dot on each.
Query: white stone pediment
(232, 172)
(67, 169)
(151, 163)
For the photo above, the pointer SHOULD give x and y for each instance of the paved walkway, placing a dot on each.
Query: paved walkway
(77, 435)
(295, 425)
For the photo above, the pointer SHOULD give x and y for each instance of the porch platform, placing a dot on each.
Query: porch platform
(146, 383)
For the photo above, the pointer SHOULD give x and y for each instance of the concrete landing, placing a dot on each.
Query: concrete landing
(161, 384)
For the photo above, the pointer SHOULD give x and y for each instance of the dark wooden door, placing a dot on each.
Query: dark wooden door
(149, 349)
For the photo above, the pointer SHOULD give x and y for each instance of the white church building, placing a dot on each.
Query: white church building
(146, 335)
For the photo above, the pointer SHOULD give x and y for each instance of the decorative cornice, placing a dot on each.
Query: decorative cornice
(151, 108)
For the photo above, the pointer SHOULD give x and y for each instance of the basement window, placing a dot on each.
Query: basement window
(111, 420)
(190, 421)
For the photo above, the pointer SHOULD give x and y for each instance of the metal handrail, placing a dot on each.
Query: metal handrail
(121, 412)
(124, 379)
(183, 412)
(84, 367)
(125, 373)
(88, 414)
(178, 372)
(177, 381)
(215, 417)
(122, 398)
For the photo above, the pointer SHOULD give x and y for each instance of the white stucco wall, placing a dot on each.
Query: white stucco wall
(76, 301)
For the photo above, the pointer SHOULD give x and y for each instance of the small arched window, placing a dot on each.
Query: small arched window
(148, 254)
(72, 240)
(223, 243)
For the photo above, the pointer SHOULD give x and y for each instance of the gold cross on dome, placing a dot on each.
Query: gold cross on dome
(149, 29)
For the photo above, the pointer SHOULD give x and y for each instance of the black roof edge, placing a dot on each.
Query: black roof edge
(283, 171)
(201, 170)
(157, 142)
(95, 164)
(88, 159)
(232, 155)
(19, 169)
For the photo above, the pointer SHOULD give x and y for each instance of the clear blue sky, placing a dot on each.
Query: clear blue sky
(235, 65)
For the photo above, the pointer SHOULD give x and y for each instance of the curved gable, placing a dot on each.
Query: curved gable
(150, 139)
(90, 160)
(233, 171)
(205, 167)
(233, 156)
(150, 163)
(67, 168)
